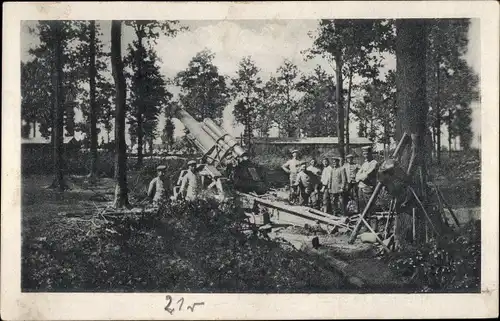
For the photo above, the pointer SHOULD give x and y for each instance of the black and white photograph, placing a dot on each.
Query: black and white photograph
(251, 156)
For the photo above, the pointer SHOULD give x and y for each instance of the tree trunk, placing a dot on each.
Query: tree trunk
(140, 142)
(412, 114)
(347, 148)
(140, 107)
(93, 104)
(340, 107)
(248, 132)
(58, 128)
(372, 128)
(433, 128)
(438, 113)
(121, 191)
(449, 132)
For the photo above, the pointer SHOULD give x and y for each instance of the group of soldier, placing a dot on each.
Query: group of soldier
(160, 188)
(334, 188)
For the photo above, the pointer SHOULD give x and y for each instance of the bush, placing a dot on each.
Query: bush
(451, 265)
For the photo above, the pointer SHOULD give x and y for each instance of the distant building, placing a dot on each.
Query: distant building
(40, 142)
(37, 153)
(313, 146)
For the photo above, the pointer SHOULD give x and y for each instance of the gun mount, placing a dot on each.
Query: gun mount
(224, 160)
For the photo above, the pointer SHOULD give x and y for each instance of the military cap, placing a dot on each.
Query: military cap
(349, 156)
(367, 148)
(295, 151)
(191, 162)
(336, 158)
(161, 167)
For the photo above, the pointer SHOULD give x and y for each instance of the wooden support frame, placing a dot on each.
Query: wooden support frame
(441, 198)
(401, 145)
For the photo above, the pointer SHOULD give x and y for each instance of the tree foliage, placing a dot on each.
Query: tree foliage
(38, 100)
(284, 94)
(376, 111)
(103, 83)
(147, 85)
(148, 95)
(264, 113)
(318, 115)
(246, 87)
(452, 85)
(36, 94)
(204, 92)
(351, 46)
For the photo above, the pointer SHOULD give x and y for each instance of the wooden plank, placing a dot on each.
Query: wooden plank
(297, 212)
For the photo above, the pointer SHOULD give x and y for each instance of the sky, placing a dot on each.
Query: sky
(268, 42)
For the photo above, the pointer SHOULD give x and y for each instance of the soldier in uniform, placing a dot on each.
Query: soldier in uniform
(314, 173)
(190, 183)
(303, 184)
(291, 167)
(338, 184)
(351, 169)
(160, 187)
(326, 175)
(366, 177)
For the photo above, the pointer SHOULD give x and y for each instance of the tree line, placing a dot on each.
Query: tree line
(325, 103)
(69, 71)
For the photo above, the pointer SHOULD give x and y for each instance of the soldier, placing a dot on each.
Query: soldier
(159, 188)
(303, 184)
(190, 185)
(314, 173)
(291, 167)
(326, 175)
(351, 169)
(337, 186)
(366, 177)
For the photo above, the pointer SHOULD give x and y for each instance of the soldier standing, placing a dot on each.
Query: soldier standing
(291, 167)
(190, 185)
(351, 169)
(159, 188)
(326, 175)
(338, 184)
(314, 173)
(366, 177)
(303, 184)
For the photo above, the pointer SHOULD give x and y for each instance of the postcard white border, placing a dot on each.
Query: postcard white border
(29, 306)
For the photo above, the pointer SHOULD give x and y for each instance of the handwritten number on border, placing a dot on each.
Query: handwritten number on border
(180, 303)
(167, 308)
(181, 300)
(194, 305)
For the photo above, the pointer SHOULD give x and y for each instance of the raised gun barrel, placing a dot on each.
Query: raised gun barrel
(201, 139)
(219, 148)
(217, 145)
(229, 141)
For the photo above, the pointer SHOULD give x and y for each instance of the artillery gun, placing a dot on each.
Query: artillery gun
(224, 161)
